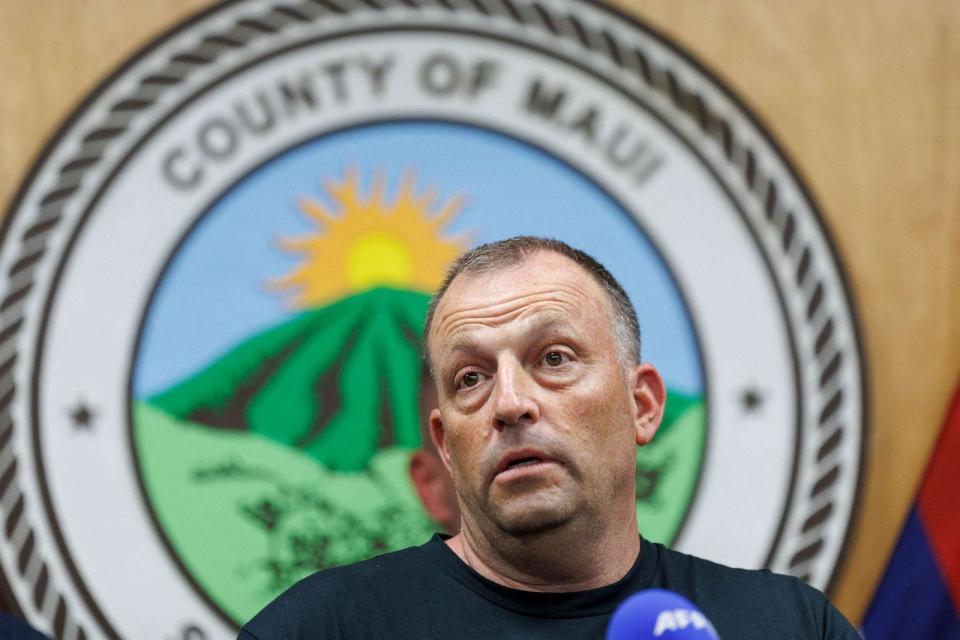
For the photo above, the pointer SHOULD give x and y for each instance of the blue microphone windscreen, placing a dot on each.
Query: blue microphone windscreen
(661, 614)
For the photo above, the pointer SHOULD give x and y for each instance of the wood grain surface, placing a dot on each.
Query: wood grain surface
(863, 96)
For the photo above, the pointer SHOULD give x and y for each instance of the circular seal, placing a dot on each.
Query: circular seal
(215, 280)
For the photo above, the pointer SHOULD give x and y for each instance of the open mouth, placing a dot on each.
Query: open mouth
(522, 462)
(515, 462)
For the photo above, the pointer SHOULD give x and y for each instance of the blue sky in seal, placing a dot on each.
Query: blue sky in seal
(213, 293)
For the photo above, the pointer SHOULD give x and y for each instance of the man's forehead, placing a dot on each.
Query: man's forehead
(545, 268)
(540, 278)
(547, 286)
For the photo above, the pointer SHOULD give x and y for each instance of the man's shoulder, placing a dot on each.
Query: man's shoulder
(709, 574)
(324, 599)
(755, 599)
(371, 572)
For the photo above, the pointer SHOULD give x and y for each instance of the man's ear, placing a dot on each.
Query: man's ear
(439, 437)
(433, 485)
(649, 399)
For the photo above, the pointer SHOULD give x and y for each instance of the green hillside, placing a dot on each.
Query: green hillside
(337, 382)
(249, 517)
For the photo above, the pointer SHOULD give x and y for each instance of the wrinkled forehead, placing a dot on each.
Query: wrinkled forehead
(552, 285)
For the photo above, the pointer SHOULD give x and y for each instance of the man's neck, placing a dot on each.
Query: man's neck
(553, 561)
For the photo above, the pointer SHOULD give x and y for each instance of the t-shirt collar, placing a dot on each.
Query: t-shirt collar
(571, 604)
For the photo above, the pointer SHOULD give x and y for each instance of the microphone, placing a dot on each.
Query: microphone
(658, 613)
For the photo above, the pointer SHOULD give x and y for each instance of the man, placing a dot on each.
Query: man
(534, 349)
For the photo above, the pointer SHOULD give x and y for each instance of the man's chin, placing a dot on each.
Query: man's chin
(521, 520)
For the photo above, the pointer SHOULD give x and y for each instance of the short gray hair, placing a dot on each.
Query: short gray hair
(495, 256)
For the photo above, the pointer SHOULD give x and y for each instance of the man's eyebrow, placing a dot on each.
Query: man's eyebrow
(549, 318)
(460, 341)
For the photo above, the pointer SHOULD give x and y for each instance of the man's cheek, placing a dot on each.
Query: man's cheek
(580, 413)
(461, 459)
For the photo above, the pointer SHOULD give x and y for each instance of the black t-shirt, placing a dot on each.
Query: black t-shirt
(428, 592)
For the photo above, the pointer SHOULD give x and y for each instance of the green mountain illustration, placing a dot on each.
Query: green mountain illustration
(337, 382)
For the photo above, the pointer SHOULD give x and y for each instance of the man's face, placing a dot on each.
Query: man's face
(537, 421)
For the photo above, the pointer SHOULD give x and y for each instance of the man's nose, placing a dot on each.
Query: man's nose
(514, 402)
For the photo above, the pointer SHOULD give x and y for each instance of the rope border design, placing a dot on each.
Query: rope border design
(526, 13)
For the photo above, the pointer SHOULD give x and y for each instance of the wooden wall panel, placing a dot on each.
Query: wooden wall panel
(864, 96)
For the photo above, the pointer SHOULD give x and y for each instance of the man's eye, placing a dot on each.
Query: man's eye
(470, 379)
(554, 359)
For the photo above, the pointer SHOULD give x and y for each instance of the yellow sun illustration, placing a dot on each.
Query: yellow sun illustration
(369, 242)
